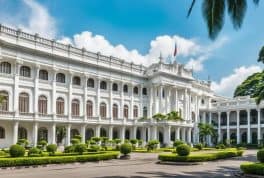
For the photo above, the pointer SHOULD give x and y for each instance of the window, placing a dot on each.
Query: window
(22, 133)
(145, 112)
(76, 80)
(135, 111)
(135, 90)
(75, 107)
(103, 85)
(163, 93)
(125, 111)
(125, 89)
(25, 71)
(4, 104)
(5, 67)
(115, 87)
(43, 75)
(60, 77)
(60, 106)
(42, 134)
(90, 83)
(115, 111)
(2, 133)
(89, 108)
(103, 110)
(23, 103)
(202, 101)
(144, 91)
(42, 104)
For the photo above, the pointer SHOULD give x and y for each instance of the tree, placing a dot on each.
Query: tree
(205, 130)
(173, 116)
(261, 55)
(159, 117)
(214, 13)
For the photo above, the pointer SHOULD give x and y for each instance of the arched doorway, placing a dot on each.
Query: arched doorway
(161, 137)
(74, 132)
(115, 134)
(254, 138)
(103, 132)
(22, 133)
(138, 134)
(233, 138)
(127, 135)
(244, 137)
(173, 136)
(42, 134)
(89, 133)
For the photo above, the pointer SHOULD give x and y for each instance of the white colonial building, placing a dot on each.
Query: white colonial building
(46, 85)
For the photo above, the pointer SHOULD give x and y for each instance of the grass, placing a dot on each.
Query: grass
(253, 168)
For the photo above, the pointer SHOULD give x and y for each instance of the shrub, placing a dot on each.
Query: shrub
(117, 141)
(42, 144)
(96, 139)
(133, 141)
(94, 148)
(140, 143)
(125, 148)
(183, 150)
(260, 155)
(252, 168)
(2, 153)
(80, 148)
(16, 151)
(220, 146)
(79, 137)
(69, 149)
(177, 143)
(52, 148)
(34, 151)
(75, 141)
(199, 146)
(23, 142)
(152, 144)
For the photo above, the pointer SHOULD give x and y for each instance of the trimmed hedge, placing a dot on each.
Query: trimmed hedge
(200, 157)
(253, 168)
(26, 161)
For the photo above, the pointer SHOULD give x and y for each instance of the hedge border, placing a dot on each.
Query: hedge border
(28, 161)
(252, 168)
(200, 157)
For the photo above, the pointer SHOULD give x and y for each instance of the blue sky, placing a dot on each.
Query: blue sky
(138, 30)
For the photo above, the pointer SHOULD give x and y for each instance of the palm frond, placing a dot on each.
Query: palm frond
(261, 55)
(236, 11)
(190, 8)
(256, 2)
(213, 13)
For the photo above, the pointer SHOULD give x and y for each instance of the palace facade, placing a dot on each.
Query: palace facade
(47, 85)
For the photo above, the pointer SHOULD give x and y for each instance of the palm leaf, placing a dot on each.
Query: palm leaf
(236, 11)
(213, 12)
(261, 55)
(190, 8)
(256, 2)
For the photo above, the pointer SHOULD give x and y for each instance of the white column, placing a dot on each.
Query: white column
(167, 135)
(131, 103)
(183, 130)
(53, 134)
(16, 90)
(111, 99)
(15, 132)
(248, 127)
(110, 132)
(168, 104)
(122, 103)
(53, 103)
(35, 134)
(70, 97)
(186, 104)
(156, 99)
(36, 92)
(210, 122)
(228, 127)
(122, 133)
(134, 132)
(176, 100)
(83, 129)
(160, 107)
(97, 131)
(149, 133)
(177, 133)
(143, 135)
(98, 99)
(219, 127)
(238, 129)
(259, 125)
(68, 135)
(141, 101)
(204, 117)
(154, 133)
(150, 112)
(189, 135)
(85, 93)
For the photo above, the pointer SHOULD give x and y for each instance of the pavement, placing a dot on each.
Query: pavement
(141, 165)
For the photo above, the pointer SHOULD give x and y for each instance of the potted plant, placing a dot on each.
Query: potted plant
(125, 149)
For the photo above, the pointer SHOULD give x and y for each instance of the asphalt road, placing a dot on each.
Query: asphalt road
(140, 165)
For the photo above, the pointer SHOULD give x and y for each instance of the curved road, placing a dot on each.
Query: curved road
(140, 165)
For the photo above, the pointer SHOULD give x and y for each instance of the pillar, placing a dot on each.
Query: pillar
(36, 88)
(134, 132)
(53, 134)
(83, 130)
(53, 103)
(219, 127)
(259, 126)
(98, 99)
(70, 97)
(248, 127)
(228, 127)
(189, 135)
(35, 134)
(210, 122)
(177, 133)
(154, 133)
(183, 134)
(167, 135)
(97, 131)
(15, 132)
(238, 129)
(110, 132)
(68, 135)
(122, 133)
(85, 93)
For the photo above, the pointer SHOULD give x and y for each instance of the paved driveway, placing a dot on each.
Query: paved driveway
(140, 165)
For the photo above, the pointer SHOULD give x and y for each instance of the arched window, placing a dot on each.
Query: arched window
(5, 67)
(75, 107)
(60, 77)
(125, 89)
(115, 111)
(60, 106)
(135, 90)
(22, 133)
(125, 111)
(23, 103)
(103, 110)
(2, 132)
(135, 111)
(4, 101)
(43, 75)
(76, 80)
(144, 91)
(115, 87)
(145, 112)
(89, 108)
(25, 71)
(103, 85)
(90, 83)
(42, 104)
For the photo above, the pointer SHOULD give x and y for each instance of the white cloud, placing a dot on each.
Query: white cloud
(227, 85)
(32, 18)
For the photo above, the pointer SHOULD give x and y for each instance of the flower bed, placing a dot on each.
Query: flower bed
(252, 168)
(26, 161)
(201, 157)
